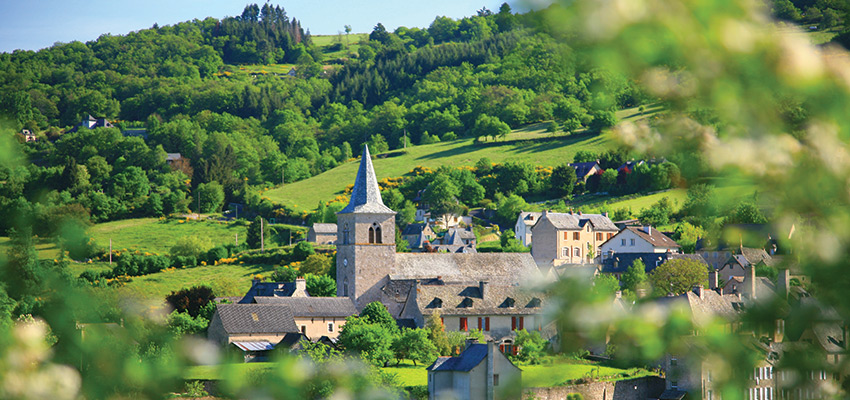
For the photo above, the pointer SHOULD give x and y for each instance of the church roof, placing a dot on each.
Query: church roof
(366, 196)
(497, 268)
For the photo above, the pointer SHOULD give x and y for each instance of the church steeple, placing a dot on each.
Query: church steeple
(366, 196)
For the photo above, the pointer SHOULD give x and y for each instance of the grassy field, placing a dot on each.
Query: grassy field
(47, 249)
(158, 236)
(547, 375)
(226, 280)
(324, 42)
(527, 144)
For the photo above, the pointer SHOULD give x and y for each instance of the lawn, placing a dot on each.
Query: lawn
(46, 249)
(226, 280)
(407, 374)
(158, 236)
(324, 42)
(558, 373)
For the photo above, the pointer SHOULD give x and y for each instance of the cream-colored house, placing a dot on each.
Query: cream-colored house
(250, 323)
(570, 238)
(322, 233)
(639, 239)
(480, 372)
(524, 222)
(315, 316)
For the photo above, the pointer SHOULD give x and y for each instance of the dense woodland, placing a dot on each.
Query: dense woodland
(478, 76)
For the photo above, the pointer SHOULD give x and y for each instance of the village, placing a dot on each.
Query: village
(499, 294)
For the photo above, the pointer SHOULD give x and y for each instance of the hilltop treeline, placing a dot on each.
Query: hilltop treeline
(237, 132)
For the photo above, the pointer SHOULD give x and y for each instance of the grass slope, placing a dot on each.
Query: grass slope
(530, 144)
(226, 280)
(305, 194)
(158, 236)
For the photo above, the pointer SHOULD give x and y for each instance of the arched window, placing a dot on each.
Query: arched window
(345, 234)
(345, 288)
(378, 236)
(371, 235)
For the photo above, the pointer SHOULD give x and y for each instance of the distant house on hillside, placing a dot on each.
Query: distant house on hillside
(417, 234)
(322, 233)
(171, 158)
(585, 170)
(480, 372)
(91, 122)
(28, 135)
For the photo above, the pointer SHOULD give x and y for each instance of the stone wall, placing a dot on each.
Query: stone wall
(632, 389)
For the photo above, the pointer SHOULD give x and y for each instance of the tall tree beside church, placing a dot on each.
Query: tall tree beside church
(253, 238)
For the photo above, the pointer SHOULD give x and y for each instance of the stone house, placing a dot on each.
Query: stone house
(250, 323)
(495, 309)
(480, 372)
(275, 289)
(585, 170)
(322, 233)
(417, 234)
(90, 122)
(643, 239)
(570, 238)
(738, 264)
(315, 316)
(524, 222)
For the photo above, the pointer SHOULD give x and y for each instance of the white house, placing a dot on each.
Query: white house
(639, 239)
(524, 222)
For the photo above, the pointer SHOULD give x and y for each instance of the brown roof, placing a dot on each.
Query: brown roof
(654, 237)
(574, 221)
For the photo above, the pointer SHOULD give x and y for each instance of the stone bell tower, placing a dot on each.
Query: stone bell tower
(365, 239)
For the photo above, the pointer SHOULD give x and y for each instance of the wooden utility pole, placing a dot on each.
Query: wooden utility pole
(237, 240)
(110, 251)
(282, 176)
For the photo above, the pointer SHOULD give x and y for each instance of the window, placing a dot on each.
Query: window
(565, 252)
(513, 323)
(631, 242)
(598, 235)
(330, 326)
(577, 252)
(480, 324)
(371, 235)
(463, 326)
(610, 235)
(566, 236)
(674, 384)
(303, 329)
(495, 379)
(345, 234)
(576, 236)
(674, 361)
(486, 323)
(521, 323)
(378, 236)
(345, 288)
(622, 242)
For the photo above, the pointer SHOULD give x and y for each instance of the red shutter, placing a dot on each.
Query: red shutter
(442, 322)
(463, 325)
(487, 324)
(521, 320)
(480, 324)
(513, 323)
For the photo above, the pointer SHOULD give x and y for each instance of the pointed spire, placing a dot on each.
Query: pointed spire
(366, 196)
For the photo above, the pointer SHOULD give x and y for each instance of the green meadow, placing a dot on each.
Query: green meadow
(158, 236)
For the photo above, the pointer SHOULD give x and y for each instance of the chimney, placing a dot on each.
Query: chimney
(579, 212)
(712, 280)
(300, 285)
(699, 291)
(618, 294)
(783, 282)
(750, 281)
(773, 249)
(571, 211)
(482, 287)
(605, 214)
(491, 370)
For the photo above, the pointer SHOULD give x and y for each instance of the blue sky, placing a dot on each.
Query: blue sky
(36, 24)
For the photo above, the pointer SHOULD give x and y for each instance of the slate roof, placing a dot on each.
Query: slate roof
(466, 361)
(256, 318)
(584, 168)
(172, 156)
(413, 229)
(271, 289)
(702, 309)
(290, 340)
(330, 307)
(465, 267)
(324, 228)
(366, 195)
(463, 299)
(620, 262)
(529, 218)
(578, 221)
(654, 237)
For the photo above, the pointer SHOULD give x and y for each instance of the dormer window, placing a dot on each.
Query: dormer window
(436, 303)
(466, 303)
(508, 303)
(534, 303)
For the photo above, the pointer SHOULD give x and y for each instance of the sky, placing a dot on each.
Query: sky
(36, 24)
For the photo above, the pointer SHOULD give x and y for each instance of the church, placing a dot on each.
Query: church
(468, 290)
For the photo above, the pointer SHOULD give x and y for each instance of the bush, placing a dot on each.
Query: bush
(302, 250)
(216, 253)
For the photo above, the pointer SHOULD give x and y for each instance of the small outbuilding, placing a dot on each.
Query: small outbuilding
(480, 372)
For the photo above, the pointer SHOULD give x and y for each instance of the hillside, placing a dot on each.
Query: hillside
(530, 144)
